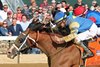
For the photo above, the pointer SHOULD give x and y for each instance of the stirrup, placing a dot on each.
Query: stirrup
(88, 56)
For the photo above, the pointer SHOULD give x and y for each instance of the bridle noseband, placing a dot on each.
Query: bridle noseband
(27, 37)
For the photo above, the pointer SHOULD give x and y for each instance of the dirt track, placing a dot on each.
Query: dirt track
(27, 58)
(24, 65)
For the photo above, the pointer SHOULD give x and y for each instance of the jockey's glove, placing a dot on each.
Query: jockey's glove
(73, 32)
(70, 37)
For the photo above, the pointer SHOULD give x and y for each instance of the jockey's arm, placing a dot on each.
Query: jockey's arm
(73, 32)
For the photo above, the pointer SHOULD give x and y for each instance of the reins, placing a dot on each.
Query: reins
(59, 49)
(37, 36)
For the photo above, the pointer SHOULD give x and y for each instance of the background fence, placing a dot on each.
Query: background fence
(13, 4)
(5, 42)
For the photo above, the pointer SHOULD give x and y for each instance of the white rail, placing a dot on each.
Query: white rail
(8, 37)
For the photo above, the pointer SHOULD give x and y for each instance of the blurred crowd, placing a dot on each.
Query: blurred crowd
(12, 24)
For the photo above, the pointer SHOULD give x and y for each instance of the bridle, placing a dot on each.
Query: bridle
(27, 37)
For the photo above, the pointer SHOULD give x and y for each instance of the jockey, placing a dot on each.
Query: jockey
(80, 29)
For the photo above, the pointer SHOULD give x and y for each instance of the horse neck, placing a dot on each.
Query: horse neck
(45, 43)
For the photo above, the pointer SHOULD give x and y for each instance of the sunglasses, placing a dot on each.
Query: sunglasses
(14, 18)
(40, 9)
(5, 7)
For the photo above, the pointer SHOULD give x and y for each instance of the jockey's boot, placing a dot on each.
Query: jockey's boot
(87, 50)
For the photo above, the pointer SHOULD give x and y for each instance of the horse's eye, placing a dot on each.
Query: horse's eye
(21, 40)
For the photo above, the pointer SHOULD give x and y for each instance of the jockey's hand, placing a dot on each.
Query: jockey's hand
(57, 40)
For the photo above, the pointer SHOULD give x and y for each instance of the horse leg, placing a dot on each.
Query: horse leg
(49, 62)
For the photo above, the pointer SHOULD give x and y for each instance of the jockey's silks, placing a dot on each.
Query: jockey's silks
(81, 23)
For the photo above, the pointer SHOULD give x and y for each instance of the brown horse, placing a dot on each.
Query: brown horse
(59, 55)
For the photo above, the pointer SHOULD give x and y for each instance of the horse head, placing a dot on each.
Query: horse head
(21, 43)
(18, 46)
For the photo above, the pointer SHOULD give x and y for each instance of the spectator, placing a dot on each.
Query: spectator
(4, 29)
(32, 12)
(79, 11)
(44, 4)
(65, 5)
(24, 23)
(86, 9)
(45, 12)
(57, 8)
(40, 14)
(36, 14)
(94, 5)
(60, 8)
(53, 4)
(48, 18)
(98, 8)
(3, 13)
(15, 29)
(26, 10)
(79, 3)
(50, 9)
(19, 14)
(33, 5)
(15, 16)
(70, 10)
(79, 8)
(32, 1)
(9, 18)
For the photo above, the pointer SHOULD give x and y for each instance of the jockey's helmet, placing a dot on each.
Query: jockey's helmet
(59, 17)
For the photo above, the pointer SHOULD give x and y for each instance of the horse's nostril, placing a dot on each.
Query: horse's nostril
(9, 52)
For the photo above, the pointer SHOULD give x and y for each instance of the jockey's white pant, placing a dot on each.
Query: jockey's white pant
(98, 32)
(87, 34)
